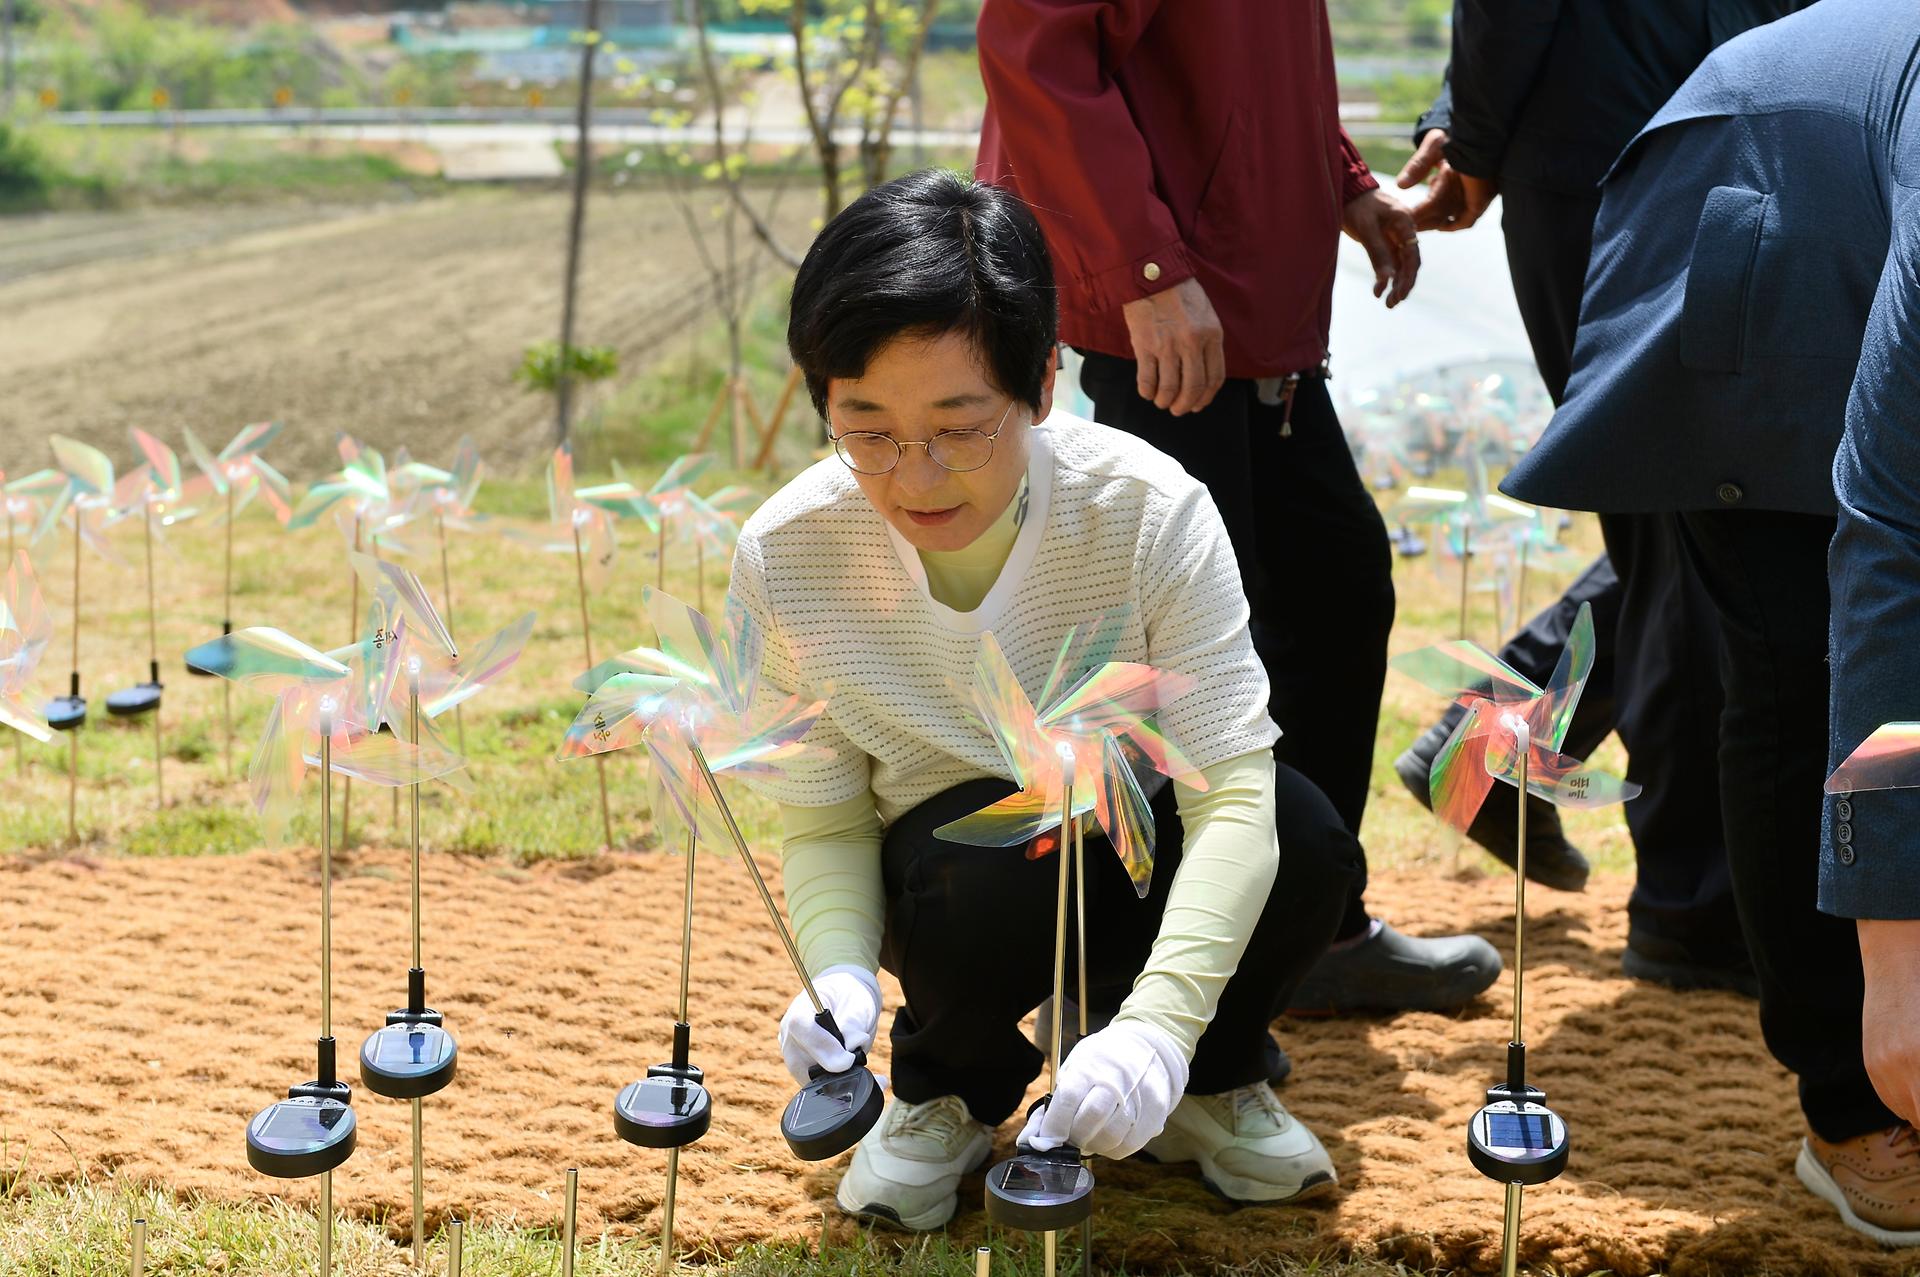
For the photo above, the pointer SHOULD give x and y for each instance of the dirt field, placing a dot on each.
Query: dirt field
(186, 993)
(400, 323)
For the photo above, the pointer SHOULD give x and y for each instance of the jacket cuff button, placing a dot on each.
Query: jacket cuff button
(1846, 855)
(1843, 810)
(1844, 833)
(1151, 270)
(1730, 493)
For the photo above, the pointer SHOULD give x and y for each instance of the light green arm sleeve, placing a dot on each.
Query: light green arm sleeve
(1227, 868)
(830, 863)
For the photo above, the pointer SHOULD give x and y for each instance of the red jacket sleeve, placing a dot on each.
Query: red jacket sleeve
(1070, 145)
(1357, 179)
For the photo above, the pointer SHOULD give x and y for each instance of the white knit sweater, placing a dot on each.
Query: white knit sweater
(1112, 525)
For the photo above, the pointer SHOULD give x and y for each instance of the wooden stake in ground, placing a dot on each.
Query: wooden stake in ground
(446, 595)
(153, 664)
(770, 431)
(573, 1204)
(226, 627)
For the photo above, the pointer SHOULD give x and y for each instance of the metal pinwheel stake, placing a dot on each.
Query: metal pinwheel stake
(1512, 732)
(325, 702)
(1081, 753)
(238, 474)
(413, 1055)
(86, 497)
(153, 493)
(692, 703)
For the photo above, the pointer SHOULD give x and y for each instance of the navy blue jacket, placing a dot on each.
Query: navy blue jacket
(1546, 92)
(1748, 341)
(1739, 243)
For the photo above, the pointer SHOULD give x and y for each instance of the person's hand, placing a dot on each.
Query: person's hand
(1478, 193)
(853, 995)
(1445, 205)
(1115, 1092)
(1178, 347)
(1384, 227)
(1890, 1014)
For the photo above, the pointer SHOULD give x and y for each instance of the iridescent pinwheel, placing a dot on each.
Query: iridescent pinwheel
(582, 518)
(694, 696)
(24, 500)
(446, 494)
(668, 502)
(336, 695)
(87, 494)
(1098, 715)
(25, 631)
(422, 649)
(239, 473)
(373, 511)
(692, 701)
(1508, 717)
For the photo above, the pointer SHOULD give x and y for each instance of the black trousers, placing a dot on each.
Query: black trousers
(970, 931)
(1767, 572)
(1657, 628)
(1314, 558)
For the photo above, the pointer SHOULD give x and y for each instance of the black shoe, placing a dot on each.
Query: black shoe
(1388, 971)
(1674, 964)
(1552, 861)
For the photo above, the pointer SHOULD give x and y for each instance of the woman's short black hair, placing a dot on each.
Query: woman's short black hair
(927, 254)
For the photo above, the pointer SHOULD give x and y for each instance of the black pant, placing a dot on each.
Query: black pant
(1314, 558)
(1657, 630)
(970, 935)
(1767, 572)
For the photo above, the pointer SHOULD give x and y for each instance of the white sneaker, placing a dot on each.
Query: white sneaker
(907, 1170)
(1250, 1149)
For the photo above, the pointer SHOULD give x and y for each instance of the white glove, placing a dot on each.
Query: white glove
(1116, 1091)
(853, 995)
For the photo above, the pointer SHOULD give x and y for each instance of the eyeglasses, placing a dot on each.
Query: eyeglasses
(870, 452)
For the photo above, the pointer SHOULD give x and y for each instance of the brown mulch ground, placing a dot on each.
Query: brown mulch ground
(148, 1008)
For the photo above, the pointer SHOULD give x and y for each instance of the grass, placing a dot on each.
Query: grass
(81, 1229)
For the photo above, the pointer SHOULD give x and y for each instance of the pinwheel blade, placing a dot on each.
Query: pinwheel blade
(1123, 812)
(1558, 779)
(1459, 781)
(1459, 667)
(266, 658)
(423, 619)
(1549, 717)
(618, 714)
(473, 671)
(1015, 819)
(87, 468)
(1887, 759)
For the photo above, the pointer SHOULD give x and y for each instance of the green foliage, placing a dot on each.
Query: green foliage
(125, 55)
(429, 79)
(24, 176)
(540, 365)
(1406, 97)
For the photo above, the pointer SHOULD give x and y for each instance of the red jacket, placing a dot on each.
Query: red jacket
(1163, 139)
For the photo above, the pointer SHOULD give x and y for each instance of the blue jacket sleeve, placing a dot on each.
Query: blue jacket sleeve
(1870, 852)
(1440, 114)
(1498, 49)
